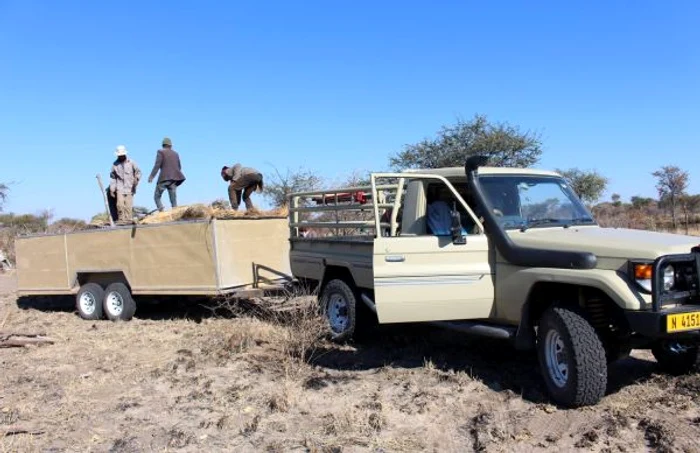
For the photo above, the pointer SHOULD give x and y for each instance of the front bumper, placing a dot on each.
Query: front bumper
(655, 324)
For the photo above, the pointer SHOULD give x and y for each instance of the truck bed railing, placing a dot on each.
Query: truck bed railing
(344, 211)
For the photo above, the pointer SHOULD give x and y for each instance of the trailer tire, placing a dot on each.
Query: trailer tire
(572, 358)
(89, 300)
(339, 306)
(118, 303)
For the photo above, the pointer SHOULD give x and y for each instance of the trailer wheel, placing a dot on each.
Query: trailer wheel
(88, 301)
(118, 303)
(338, 303)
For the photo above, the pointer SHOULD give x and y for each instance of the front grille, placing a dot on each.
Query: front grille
(686, 289)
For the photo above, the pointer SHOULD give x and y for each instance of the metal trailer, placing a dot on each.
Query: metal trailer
(240, 257)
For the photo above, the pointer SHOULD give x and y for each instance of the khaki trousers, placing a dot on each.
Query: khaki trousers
(125, 207)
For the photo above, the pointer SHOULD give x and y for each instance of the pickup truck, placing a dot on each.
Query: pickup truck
(506, 253)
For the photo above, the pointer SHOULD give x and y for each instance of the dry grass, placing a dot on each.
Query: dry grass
(204, 212)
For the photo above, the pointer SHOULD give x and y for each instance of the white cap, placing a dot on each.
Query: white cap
(121, 150)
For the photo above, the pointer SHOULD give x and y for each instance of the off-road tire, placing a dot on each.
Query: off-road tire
(125, 308)
(584, 356)
(88, 301)
(334, 293)
(675, 363)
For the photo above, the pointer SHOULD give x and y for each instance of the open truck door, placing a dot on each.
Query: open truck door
(431, 256)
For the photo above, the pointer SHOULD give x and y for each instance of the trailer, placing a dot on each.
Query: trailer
(104, 268)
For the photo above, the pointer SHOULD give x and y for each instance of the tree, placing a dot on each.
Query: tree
(689, 205)
(281, 185)
(588, 185)
(505, 145)
(671, 184)
(67, 225)
(4, 191)
(616, 200)
(641, 202)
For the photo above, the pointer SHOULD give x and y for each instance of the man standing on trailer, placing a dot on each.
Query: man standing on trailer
(171, 176)
(242, 182)
(123, 180)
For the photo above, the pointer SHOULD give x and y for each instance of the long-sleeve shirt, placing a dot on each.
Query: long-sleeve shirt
(168, 162)
(241, 176)
(124, 177)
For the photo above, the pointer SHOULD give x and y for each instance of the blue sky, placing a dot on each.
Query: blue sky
(335, 87)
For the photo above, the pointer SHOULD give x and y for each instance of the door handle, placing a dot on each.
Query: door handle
(394, 259)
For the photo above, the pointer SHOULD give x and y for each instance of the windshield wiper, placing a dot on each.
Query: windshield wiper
(543, 221)
(582, 220)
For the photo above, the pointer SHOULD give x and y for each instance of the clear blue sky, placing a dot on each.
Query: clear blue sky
(335, 87)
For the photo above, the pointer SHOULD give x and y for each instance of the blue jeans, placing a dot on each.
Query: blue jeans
(171, 186)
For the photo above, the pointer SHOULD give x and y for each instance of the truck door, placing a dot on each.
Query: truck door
(420, 274)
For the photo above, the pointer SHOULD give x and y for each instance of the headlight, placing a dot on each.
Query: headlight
(643, 272)
(669, 277)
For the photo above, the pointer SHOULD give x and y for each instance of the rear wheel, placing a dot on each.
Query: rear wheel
(675, 357)
(339, 306)
(572, 358)
(88, 301)
(118, 303)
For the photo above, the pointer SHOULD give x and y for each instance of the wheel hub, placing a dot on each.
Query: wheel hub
(88, 303)
(115, 303)
(556, 358)
(338, 313)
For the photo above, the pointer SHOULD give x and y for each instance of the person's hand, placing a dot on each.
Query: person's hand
(113, 193)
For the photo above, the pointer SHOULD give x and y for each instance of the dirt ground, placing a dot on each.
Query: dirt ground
(178, 378)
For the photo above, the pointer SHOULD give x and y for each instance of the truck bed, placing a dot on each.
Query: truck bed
(310, 257)
(200, 257)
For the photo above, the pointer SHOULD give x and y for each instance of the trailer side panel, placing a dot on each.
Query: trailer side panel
(246, 247)
(41, 265)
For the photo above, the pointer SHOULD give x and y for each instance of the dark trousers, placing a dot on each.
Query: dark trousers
(171, 186)
(234, 195)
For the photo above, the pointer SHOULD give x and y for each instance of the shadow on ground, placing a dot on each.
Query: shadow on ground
(495, 363)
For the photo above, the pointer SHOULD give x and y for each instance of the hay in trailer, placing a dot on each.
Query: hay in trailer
(204, 212)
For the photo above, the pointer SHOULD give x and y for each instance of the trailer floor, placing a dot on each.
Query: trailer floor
(183, 380)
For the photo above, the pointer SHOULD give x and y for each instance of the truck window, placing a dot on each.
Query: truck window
(426, 210)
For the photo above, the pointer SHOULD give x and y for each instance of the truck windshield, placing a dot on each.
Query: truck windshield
(520, 201)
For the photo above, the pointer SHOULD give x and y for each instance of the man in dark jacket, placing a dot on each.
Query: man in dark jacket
(168, 162)
(242, 182)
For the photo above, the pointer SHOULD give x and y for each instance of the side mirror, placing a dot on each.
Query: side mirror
(456, 229)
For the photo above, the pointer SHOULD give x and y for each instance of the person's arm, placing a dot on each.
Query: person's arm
(113, 181)
(157, 166)
(236, 172)
(137, 176)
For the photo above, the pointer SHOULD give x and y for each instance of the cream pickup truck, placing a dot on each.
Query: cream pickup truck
(505, 253)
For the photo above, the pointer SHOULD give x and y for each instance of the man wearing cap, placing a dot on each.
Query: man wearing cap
(171, 176)
(242, 182)
(123, 180)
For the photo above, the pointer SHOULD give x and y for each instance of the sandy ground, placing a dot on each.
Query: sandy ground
(177, 378)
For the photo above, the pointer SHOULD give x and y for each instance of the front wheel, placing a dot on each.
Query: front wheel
(572, 358)
(339, 306)
(675, 357)
(118, 303)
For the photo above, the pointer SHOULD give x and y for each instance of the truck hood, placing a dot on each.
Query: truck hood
(606, 242)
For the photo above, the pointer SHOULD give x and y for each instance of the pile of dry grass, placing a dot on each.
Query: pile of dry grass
(204, 212)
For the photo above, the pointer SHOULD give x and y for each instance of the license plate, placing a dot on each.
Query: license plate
(683, 321)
